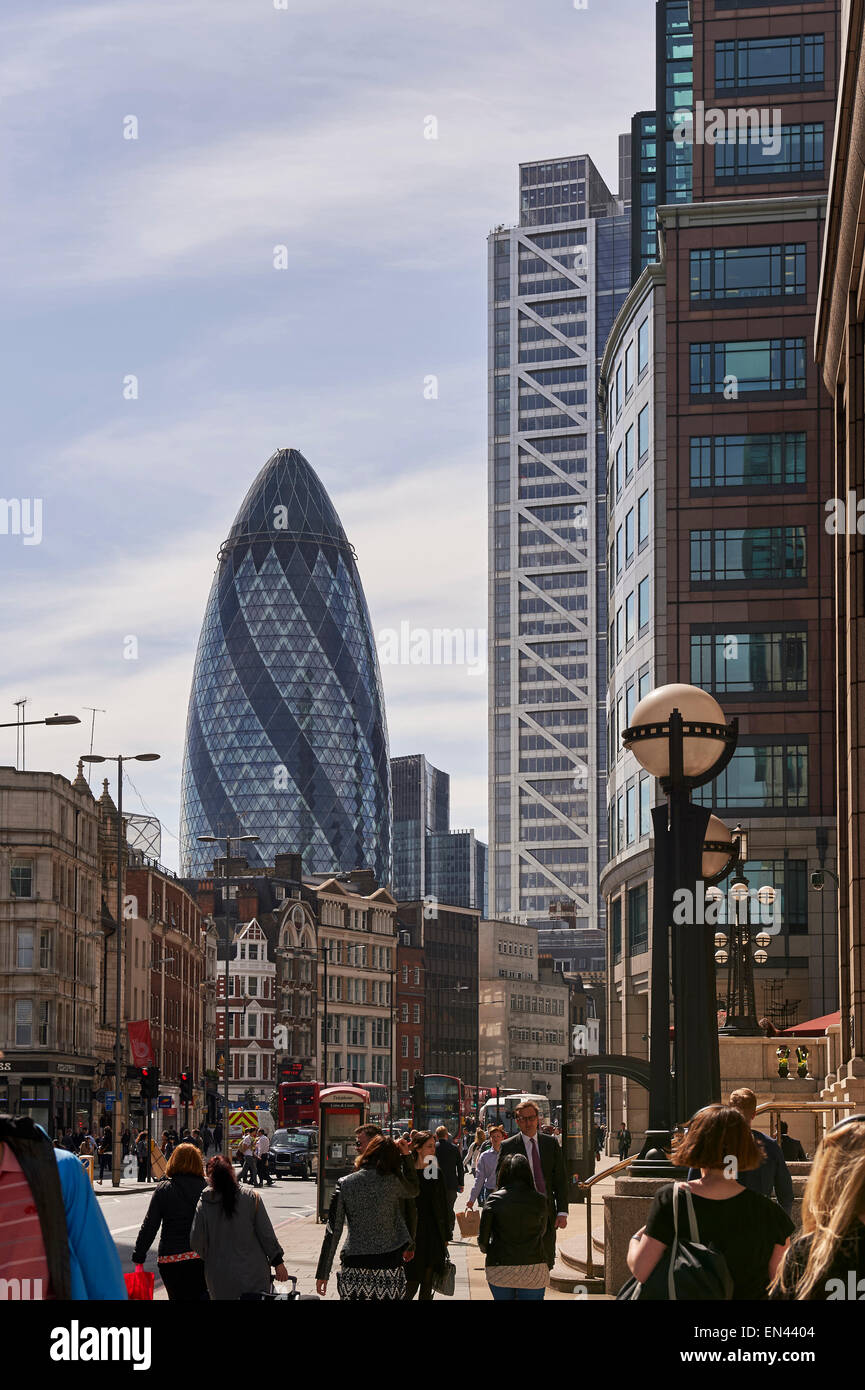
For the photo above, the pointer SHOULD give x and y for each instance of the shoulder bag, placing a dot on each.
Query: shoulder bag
(689, 1271)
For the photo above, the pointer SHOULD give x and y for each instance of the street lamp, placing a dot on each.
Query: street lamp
(745, 950)
(119, 1083)
(228, 840)
(679, 735)
(22, 724)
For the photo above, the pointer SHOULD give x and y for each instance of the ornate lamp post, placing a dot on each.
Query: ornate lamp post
(745, 950)
(679, 735)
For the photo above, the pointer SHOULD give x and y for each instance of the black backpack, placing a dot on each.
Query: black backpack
(689, 1271)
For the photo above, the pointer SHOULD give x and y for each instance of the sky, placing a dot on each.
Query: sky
(158, 345)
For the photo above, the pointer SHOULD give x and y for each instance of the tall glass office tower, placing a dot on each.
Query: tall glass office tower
(286, 735)
(556, 282)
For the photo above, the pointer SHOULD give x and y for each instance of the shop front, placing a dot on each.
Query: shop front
(56, 1094)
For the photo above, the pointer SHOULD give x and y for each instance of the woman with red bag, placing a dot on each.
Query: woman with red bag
(172, 1207)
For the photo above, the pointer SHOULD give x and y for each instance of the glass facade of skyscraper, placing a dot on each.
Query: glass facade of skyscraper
(286, 735)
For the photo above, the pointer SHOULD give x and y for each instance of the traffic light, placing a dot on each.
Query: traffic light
(149, 1083)
(185, 1088)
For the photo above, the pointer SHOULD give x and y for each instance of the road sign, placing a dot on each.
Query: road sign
(109, 1099)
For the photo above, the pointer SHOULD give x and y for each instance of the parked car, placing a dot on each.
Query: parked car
(293, 1153)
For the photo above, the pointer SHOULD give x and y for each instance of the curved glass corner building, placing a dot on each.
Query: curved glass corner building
(286, 735)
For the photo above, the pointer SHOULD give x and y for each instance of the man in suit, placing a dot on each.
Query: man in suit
(548, 1170)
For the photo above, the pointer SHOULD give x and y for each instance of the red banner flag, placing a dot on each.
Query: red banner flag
(140, 1044)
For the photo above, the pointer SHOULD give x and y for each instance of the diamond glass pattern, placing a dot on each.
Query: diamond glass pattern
(286, 735)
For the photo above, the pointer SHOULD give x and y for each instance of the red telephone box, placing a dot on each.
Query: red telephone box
(342, 1110)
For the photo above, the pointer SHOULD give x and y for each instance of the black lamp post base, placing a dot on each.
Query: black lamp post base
(653, 1160)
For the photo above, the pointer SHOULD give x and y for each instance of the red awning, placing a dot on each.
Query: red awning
(815, 1027)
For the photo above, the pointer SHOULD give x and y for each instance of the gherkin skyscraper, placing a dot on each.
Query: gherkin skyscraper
(286, 735)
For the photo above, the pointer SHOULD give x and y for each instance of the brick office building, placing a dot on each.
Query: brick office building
(719, 444)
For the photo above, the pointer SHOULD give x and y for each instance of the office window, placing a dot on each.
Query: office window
(643, 433)
(748, 272)
(765, 554)
(765, 365)
(748, 460)
(404, 1079)
(645, 799)
(21, 879)
(620, 549)
(616, 929)
(643, 347)
(23, 1023)
(643, 519)
(630, 702)
(638, 919)
(631, 812)
(619, 392)
(738, 663)
(404, 1044)
(416, 1045)
(770, 64)
(629, 452)
(24, 958)
(629, 369)
(620, 817)
(773, 776)
(45, 950)
(629, 537)
(416, 1013)
(417, 974)
(798, 152)
(643, 604)
(629, 618)
(645, 684)
(619, 478)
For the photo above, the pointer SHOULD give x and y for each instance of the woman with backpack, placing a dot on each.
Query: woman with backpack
(750, 1231)
(828, 1256)
(171, 1211)
(232, 1232)
(513, 1226)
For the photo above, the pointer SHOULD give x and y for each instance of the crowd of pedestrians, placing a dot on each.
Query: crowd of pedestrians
(398, 1206)
(733, 1214)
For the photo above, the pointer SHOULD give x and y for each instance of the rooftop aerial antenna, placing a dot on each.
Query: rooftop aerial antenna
(93, 713)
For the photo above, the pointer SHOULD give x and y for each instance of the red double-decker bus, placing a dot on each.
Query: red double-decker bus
(298, 1103)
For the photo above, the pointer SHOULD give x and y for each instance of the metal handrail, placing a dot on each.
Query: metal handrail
(771, 1107)
(587, 1188)
(766, 1107)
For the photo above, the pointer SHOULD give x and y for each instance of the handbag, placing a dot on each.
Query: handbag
(688, 1271)
(469, 1222)
(446, 1282)
(139, 1286)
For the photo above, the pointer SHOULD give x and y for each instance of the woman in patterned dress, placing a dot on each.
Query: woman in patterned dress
(371, 1200)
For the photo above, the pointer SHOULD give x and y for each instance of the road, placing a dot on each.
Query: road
(289, 1201)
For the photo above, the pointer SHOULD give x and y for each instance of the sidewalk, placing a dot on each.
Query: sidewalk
(127, 1186)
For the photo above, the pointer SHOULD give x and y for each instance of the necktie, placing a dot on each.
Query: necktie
(536, 1168)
